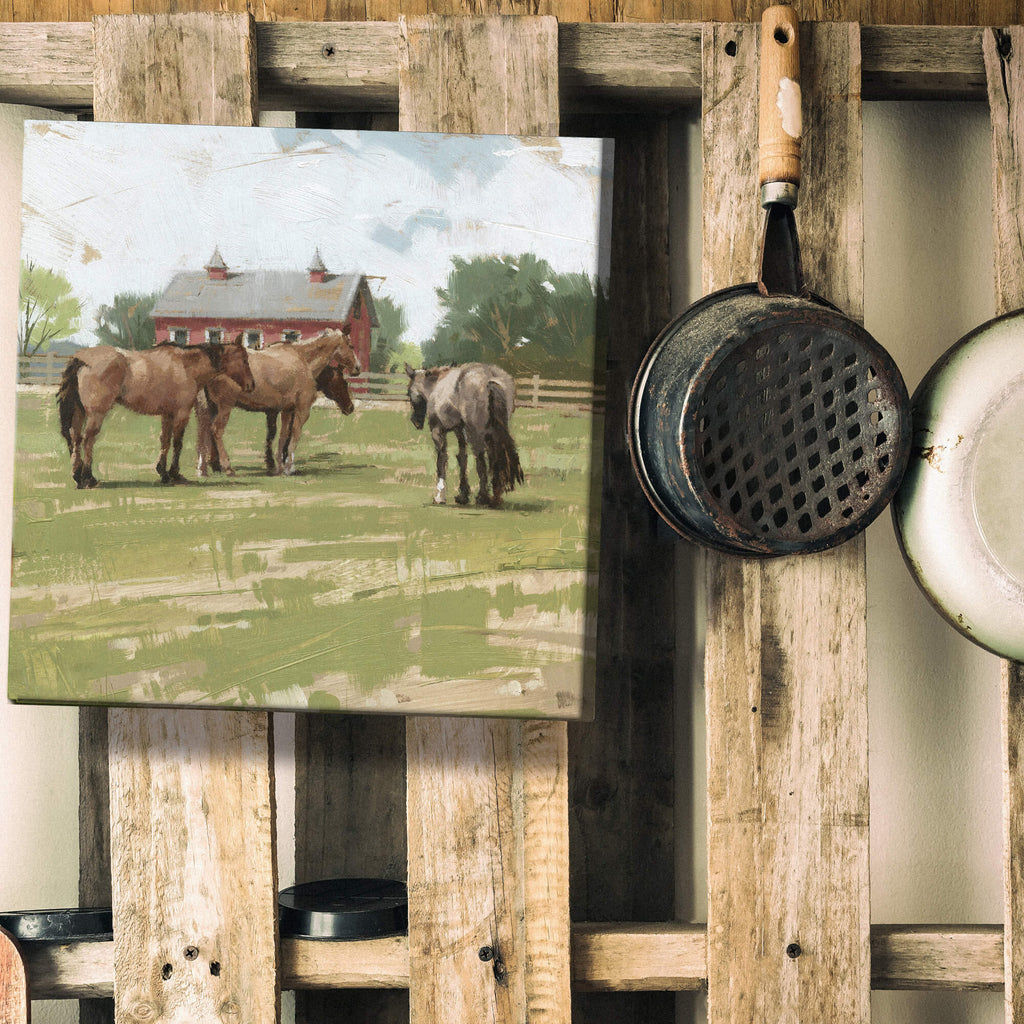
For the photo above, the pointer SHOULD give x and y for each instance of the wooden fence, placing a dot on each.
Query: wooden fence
(45, 368)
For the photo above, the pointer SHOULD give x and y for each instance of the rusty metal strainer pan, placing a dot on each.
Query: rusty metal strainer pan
(768, 425)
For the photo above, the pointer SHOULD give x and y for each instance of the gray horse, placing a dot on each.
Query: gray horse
(475, 401)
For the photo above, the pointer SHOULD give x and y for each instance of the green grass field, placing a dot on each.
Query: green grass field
(339, 587)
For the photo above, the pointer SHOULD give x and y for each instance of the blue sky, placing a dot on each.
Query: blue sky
(122, 207)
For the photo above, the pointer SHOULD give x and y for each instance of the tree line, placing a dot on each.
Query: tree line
(512, 310)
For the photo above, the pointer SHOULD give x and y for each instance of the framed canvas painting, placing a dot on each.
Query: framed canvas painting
(308, 419)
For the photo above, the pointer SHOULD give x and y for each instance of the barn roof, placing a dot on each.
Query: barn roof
(264, 295)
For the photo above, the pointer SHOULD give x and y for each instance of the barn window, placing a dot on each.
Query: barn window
(290, 336)
(179, 335)
(214, 335)
(253, 339)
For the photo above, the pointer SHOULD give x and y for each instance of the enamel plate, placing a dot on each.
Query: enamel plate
(959, 513)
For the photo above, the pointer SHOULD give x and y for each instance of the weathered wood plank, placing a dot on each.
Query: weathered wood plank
(191, 792)
(622, 764)
(964, 957)
(639, 957)
(612, 957)
(167, 77)
(354, 65)
(14, 1002)
(785, 667)
(195, 907)
(350, 822)
(486, 800)
(93, 832)
(1004, 66)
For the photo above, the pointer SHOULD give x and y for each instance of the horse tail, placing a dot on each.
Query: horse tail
(506, 469)
(69, 401)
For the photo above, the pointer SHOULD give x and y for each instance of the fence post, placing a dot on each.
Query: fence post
(536, 391)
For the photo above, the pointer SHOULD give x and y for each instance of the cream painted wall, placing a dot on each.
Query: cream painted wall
(934, 720)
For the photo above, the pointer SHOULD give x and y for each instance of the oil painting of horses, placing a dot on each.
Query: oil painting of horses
(410, 524)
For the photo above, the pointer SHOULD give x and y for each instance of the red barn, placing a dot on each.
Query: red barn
(264, 306)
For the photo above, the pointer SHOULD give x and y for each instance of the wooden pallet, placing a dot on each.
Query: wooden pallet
(486, 829)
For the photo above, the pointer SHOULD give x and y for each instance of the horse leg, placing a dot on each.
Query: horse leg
(462, 498)
(220, 452)
(178, 425)
(298, 419)
(166, 424)
(483, 496)
(271, 432)
(440, 436)
(205, 454)
(75, 445)
(91, 430)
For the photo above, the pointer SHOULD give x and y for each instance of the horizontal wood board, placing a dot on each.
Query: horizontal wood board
(606, 956)
(354, 65)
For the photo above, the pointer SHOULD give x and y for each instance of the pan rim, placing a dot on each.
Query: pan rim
(656, 405)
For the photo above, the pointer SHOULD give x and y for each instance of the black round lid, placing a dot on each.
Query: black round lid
(344, 908)
(68, 925)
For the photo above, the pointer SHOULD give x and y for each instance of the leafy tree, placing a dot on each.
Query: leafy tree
(572, 327)
(389, 350)
(128, 322)
(516, 311)
(48, 312)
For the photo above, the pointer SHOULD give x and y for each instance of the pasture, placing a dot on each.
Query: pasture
(341, 587)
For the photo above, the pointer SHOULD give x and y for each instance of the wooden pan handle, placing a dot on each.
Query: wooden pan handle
(780, 125)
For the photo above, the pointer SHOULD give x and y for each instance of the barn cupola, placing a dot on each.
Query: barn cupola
(217, 269)
(317, 270)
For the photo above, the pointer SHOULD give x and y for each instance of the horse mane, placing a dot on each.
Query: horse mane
(210, 349)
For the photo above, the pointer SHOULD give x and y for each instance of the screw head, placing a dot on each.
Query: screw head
(327, 50)
(793, 950)
(486, 953)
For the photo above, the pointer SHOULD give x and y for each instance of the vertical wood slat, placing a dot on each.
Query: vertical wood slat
(350, 822)
(786, 674)
(191, 792)
(621, 765)
(1004, 72)
(93, 834)
(487, 800)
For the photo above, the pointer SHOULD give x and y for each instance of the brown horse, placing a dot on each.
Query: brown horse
(161, 381)
(286, 382)
(331, 383)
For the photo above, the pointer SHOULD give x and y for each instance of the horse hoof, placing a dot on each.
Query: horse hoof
(440, 501)
(462, 499)
(230, 472)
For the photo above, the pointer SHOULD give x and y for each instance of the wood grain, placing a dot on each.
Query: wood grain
(487, 800)
(93, 832)
(14, 1000)
(350, 822)
(602, 65)
(195, 908)
(191, 792)
(622, 764)
(1004, 65)
(168, 77)
(606, 957)
(785, 668)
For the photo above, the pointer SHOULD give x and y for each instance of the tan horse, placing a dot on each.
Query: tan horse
(286, 383)
(161, 381)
